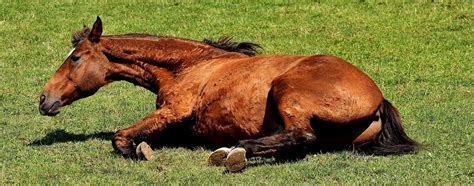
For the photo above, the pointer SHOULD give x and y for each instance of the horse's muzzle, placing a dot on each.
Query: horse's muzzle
(49, 106)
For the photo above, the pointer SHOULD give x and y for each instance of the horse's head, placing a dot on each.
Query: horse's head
(81, 75)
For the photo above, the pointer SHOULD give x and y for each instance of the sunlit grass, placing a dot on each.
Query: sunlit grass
(420, 55)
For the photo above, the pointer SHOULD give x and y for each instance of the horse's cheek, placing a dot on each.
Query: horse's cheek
(91, 76)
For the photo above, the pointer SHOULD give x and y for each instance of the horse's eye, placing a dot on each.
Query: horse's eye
(75, 58)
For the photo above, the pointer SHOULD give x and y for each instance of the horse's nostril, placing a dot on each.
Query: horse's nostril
(42, 98)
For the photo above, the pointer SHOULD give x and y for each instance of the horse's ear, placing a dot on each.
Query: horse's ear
(96, 31)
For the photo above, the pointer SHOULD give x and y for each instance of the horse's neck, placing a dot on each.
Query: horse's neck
(151, 62)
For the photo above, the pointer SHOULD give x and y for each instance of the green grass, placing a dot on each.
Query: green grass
(420, 55)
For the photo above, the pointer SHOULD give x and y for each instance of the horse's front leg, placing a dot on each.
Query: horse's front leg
(126, 140)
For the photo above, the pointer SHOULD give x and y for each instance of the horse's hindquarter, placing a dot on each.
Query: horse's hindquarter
(331, 98)
(330, 89)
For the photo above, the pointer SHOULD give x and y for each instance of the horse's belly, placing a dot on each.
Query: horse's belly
(231, 115)
(220, 125)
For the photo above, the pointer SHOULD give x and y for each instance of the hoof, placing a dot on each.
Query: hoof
(144, 151)
(217, 157)
(236, 160)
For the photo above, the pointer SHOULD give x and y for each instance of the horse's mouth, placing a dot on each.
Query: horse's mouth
(53, 110)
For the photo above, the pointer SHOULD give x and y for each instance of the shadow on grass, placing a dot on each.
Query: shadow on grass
(61, 136)
(269, 161)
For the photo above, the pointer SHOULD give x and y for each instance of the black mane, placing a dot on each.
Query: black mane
(227, 44)
(224, 43)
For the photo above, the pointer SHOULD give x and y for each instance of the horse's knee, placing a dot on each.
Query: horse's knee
(122, 144)
(119, 139)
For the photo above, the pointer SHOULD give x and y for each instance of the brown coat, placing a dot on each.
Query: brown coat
(224, 95)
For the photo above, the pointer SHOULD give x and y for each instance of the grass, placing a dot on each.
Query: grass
(420, 54)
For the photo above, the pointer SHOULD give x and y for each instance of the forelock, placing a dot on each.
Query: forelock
(80, 35)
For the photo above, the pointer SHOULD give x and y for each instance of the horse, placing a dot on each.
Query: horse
(225, 95)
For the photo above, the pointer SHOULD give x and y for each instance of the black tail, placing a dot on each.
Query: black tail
(392, 139)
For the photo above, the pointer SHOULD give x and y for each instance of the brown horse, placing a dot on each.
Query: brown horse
(222, 95)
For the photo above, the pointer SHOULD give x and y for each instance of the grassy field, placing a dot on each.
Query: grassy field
(420, 55)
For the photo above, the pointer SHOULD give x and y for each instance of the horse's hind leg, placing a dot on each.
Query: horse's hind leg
(297, 134)
(293, 142)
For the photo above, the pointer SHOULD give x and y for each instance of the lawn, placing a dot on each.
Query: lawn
(420, 54)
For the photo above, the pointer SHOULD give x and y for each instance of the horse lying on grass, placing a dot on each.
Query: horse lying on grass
(221, 94)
